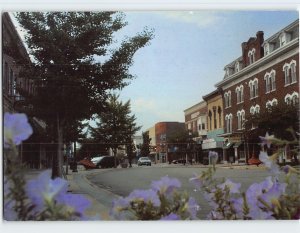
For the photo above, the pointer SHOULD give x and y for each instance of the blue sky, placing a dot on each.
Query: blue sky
(187, 56)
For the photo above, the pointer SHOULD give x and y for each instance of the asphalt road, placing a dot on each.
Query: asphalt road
(122, 181)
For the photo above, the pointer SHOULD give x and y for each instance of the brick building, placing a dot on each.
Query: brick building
(14, 59)
(163, 130)
(195, 120)
(267, 73)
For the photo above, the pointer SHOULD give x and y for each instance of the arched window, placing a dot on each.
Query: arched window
(287, 77)
(210, 116)
(293, 71)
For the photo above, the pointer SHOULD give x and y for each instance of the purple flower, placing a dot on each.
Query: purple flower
(16, 129)
(193, 207)
(43, 189)
(256, 213)
(197, 181)
(165, 185)
(171, 216)
(75, 202)
(233, 187)
(256, 189)
(238, 205)
(266, 140)
(272, 195)
(269, 163)
(118, 206)
(145, 196)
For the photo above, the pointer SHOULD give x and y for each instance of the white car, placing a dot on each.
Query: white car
(144, 161)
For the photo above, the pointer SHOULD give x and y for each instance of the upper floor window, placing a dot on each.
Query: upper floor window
(270, 81)
(251, 56)
(253, 85)
(241, 119)
(237, 66)
(239, 93)
(290, 73)
(284, 38)
(228, 120)
(210, 116)
(220, 116)
(227, 99)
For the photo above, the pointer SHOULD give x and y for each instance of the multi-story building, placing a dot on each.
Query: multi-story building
(15, 59)
(215, 123)
(195, 120)
(267, 73)
(163, 130)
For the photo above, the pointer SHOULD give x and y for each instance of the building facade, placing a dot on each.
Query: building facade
(215, 123)
(195, 120)
(163, 130)
(267, 73)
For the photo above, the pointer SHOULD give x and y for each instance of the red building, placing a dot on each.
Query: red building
(267, 73)
(163, 130)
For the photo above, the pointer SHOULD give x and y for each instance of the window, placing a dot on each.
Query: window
(270, 81)
(254, 109)
(228, 119)
(251, 56)
(239, 93)
(241, 119)
(287, 77)
(271, 103)
(290, 73)
(292, 99)
(227, 99)
(266, 49)
(293, 71)
(253, 85)
(237, 66)
(203, 126)
(282, 39)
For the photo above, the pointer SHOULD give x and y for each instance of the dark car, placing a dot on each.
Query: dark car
(107, 162)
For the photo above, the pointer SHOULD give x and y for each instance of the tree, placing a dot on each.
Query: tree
(116, 125)
(279, 120)
(145, 147)
(274, 120)
(72, 67)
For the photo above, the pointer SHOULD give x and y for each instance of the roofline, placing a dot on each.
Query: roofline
(210, 94)
(273, 36)
(258, 63)
(194, 106)
(291, 25)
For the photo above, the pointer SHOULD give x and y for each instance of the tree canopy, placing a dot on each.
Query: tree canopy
(116, 125)
(76, 63)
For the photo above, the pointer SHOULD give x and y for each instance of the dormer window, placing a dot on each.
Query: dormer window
(268, 48)
(284, 38)
(251, 56)
(237, 66)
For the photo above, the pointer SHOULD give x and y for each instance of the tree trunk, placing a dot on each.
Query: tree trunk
(58, 158)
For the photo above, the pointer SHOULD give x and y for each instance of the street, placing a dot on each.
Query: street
(122, 181)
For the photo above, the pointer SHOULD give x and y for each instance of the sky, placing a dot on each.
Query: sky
(187, 55)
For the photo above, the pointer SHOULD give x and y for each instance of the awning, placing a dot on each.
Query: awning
(227, 145)
(237, 144)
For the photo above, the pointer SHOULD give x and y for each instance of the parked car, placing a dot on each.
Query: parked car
(107, 162)
(96, 160)
(144, 161)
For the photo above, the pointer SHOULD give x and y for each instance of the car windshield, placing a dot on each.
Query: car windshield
(144, 158)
